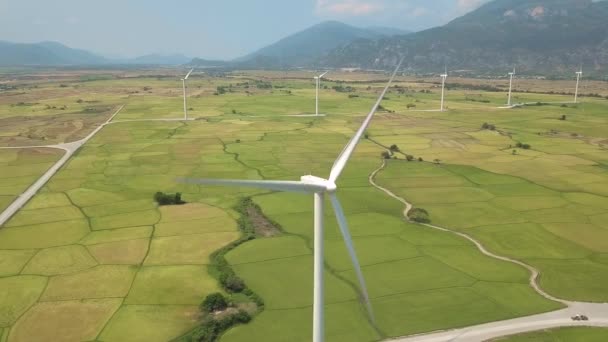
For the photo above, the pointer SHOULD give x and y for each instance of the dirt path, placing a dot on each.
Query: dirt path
(597, 312)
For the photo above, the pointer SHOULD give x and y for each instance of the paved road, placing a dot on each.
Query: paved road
(597, 313)
(70, 149)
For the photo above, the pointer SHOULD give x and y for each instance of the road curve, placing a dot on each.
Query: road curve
(598, 313)
(70, 149)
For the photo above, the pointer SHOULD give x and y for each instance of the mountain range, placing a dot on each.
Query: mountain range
(534, 36)
(56, 54)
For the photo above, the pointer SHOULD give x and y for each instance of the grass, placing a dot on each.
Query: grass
(572, 334)
(120, 268)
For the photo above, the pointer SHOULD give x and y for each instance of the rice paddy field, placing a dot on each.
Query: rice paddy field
(93, 258)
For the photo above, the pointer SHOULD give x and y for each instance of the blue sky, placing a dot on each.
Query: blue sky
(204, 28)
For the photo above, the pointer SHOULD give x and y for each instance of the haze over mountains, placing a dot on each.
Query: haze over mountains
(535, 36)
(57, 54)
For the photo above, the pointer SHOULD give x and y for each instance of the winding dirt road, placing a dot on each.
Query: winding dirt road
(598, 313)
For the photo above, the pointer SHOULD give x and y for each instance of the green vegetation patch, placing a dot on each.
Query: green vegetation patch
(171, 285)
(64, 321)
(60, 260)
(127, 252)
(38, 216)
(370, 251)
(17, 295)
(43, 235)
(571, 334)
(472, 262)
(98, 282)
(150, 323)
(187, 249)
(138, 218)
(418, 274)
(344, 322)
(122, 234)
(268, 249)
(12, 261)
(291, 275)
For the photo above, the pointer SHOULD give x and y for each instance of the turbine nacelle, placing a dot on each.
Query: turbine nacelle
(329, 186)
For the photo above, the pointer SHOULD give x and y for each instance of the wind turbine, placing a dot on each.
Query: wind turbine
(318, 80)
(319, 187)
(511, 74)
(184, 87)
(444, 76)
(579, 74)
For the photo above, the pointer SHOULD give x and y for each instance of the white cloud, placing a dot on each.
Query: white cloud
(467, 5)
(349, 7)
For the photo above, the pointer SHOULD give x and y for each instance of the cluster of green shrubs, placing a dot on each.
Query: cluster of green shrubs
(342, 89)
(488, 126)
(214, 325)
(523, 146)
(419, 215)
(211, 328)
(168, 199)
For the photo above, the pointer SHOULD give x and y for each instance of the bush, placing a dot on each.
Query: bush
(386, 155)
(232, 282)
(394, 148)
(410, 105)
(167, 199)
(409, 157)
(488, 126)
(214, 302)
(352, 96)
(523, 146)
(563, 118)
(420, 159)
(419, 215)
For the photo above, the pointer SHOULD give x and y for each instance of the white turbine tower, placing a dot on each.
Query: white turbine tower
(319, 187)
(511, 74)
(579, 74)
(184, 87)
(444, 76)
(318, 80)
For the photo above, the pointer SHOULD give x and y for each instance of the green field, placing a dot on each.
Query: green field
(93, 245)
(578, 334)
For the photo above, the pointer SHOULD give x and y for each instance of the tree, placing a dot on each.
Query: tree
(167, 199)
(386, 155)
(409, 157)
(420, 159)
(394, 148)
(419, 215)
(410, 105)
(214, 302)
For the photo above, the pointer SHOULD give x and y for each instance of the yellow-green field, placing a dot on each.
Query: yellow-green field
(92, 257)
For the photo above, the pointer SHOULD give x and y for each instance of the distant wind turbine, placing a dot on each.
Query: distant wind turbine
(511, 74)
(579, 74)
(184, 87)
(319, 187)
(444, 76)
(318, 80)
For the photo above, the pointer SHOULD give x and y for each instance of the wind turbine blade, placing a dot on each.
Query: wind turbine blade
(348, 150)
(351, 250)
(325, 73)
(188, 75)
(287, 186)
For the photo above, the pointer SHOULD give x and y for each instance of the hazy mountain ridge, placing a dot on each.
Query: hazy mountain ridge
(305, 47)
(57, 54)
(535, 36)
